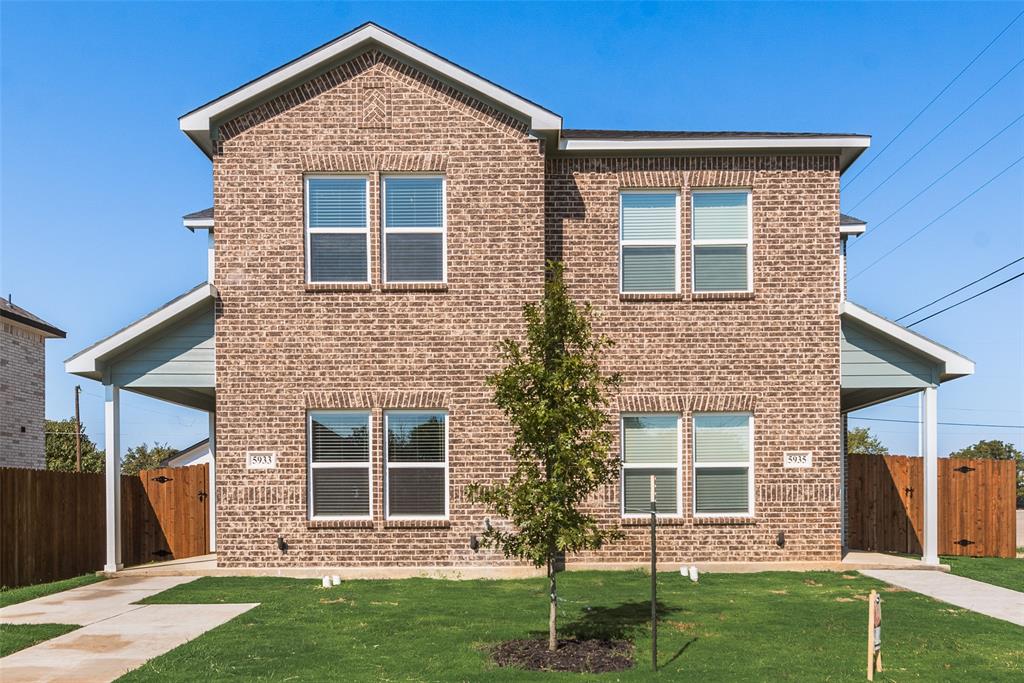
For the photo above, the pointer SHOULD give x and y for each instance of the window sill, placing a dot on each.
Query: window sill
(646, 521)
(651, 296)
(414, 287)
(723, 296)
(338, 287)
(417, 524)
(725, 521)
(339, 524)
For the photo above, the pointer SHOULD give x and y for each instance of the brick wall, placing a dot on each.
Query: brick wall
(22, 397)
(284, 347)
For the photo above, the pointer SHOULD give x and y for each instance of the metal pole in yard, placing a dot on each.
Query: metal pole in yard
(654, 578)
(78, 432)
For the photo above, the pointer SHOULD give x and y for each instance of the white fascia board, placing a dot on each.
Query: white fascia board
(954, 365)
(853, 229)
(197, 124)
(657, 144)
(89, 362)
(198, 223)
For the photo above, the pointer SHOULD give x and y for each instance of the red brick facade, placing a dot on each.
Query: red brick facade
(285, 347)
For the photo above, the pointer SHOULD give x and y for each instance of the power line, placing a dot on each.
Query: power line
(927, 106)
(975, 296)
(936, 219)
(974, 282)
(932, 184)
(951, 424)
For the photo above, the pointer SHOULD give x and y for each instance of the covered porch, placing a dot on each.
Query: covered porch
(881, 361)
(168, 355)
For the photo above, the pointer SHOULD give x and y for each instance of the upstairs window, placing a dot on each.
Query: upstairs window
(337, 231)
(414, 229)
(651, 446)
(416, 454)
(339, 464)
(723, 461)
(649, 242)
(721, 241)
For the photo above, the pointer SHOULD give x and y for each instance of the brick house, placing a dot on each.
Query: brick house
(380, 217)
(23, 386)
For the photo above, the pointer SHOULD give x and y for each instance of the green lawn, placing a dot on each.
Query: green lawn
(14, 637)
(999, 571)
(12, 596)
(779, 626)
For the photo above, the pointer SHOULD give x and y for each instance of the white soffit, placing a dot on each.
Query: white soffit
(89, 362)
(197, 124)
(953, 364)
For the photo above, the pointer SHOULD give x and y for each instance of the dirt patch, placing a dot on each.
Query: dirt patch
(579, 656)
(97, 643)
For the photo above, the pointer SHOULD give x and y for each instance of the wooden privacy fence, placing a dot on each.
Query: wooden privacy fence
(52, 524)
(976, 503)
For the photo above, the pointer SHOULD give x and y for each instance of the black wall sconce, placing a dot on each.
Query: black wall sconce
(282, 545)
(474, 543)
(780, 540)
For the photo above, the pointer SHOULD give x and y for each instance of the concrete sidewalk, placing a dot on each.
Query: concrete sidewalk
(117, 635)
(984, 598)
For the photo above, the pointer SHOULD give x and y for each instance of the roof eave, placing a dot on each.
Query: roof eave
(199, 123)
(953, 364)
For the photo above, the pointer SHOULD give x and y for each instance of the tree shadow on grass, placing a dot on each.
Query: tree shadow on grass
(615, 623)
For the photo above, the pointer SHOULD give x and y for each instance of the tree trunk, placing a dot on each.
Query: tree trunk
(553, 615)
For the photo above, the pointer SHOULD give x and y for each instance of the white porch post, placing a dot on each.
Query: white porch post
(842, 482)
(213, 481)
(112, 432)
(930, 452)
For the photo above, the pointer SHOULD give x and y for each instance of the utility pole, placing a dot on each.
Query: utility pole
(78, 431)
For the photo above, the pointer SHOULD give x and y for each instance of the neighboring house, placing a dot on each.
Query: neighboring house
(380, 217)
(23, 386)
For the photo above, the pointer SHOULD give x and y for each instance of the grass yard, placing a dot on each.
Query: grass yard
(728, 627)
(999, 571)
(14, 637)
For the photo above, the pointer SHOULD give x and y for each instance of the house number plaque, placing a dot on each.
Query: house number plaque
(796, 459)
(260, 460)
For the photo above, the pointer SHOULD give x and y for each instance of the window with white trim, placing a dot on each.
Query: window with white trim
(723, 464)
(648, 241)
(416, 457)
(415, 236)
(651, 446)
(722, 235)
(339, 464)
(337, 229)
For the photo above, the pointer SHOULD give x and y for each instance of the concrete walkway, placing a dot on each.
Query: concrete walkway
(117, 635)
(984, 598)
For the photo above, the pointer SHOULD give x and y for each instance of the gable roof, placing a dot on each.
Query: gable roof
(950, 363)
(18, 315)
(198, 219)
(198, 123)
(90, 361)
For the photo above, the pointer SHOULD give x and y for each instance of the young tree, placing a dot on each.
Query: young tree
(60, 448)
(553, 392)
(142, 457)
(860, 440)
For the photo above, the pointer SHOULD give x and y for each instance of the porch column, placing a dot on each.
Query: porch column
(930, 452)
(213, 481)
(112, 433)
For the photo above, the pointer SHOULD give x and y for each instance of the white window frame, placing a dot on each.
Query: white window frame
(748, 463)
(388, 465)
(368, 465)
(365, 230)
(650, 466)
(385, 230)
(748, 242)
(623, 243)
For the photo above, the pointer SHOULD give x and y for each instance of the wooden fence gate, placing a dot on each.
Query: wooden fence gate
(885, 505)
(52, 524)
(165, 514)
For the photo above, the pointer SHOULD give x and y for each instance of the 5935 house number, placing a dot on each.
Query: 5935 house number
(796, 459)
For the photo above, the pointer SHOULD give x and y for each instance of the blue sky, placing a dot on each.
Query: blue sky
(96, 174)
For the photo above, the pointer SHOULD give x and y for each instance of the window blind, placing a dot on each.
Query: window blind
(339, 464)
(649, 236)
(722, 453)
(720, 215)
(721, 241)
(417, 468)
(337, 257)
(337, 229)
(649, 216)
(414, 202)
(414, 228)
(719, 268)
(722, 490)
(637, 491)
(721, 438)
(650, 446)
(336, 202)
